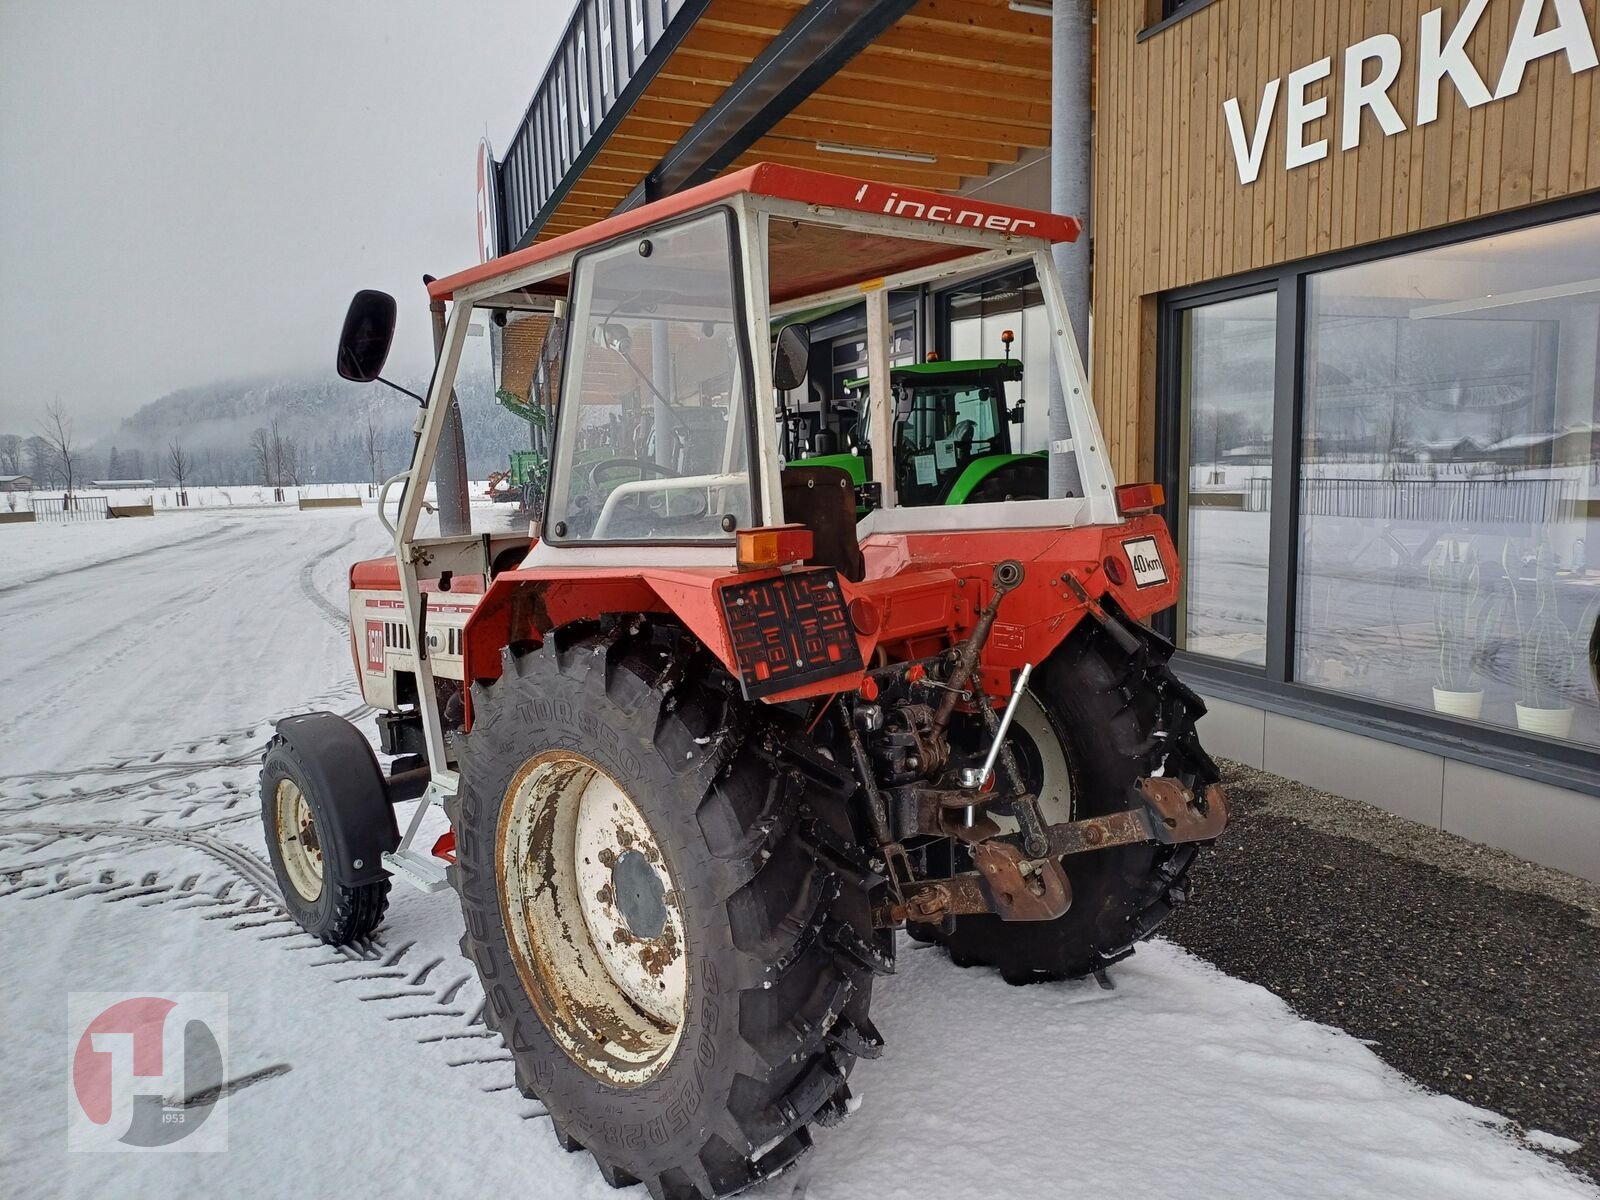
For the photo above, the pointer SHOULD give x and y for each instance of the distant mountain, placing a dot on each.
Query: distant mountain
(323, 419)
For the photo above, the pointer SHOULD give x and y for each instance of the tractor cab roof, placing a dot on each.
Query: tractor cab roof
(942, 369)
(1010, 368)
(805, 258)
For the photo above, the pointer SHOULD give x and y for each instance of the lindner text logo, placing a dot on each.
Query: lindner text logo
(146, 1071)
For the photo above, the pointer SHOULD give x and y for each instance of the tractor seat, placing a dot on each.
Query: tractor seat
(823, 499)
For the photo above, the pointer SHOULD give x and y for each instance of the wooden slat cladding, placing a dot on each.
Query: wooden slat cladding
(1169, 210)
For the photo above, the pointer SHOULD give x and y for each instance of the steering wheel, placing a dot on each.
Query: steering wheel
(644, 466)
(659, 504)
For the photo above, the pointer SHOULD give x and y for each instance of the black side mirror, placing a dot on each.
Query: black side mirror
(367, 335)
(789, 356)
(1016, 413)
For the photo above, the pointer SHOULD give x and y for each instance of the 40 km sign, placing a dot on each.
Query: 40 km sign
(1371, 68)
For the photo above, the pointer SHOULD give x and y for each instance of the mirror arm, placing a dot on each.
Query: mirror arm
(403, 391)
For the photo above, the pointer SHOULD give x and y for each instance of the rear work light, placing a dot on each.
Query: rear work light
(1140, 497)
(774, 546)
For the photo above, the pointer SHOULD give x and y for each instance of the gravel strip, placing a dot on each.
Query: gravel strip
(1473, 972)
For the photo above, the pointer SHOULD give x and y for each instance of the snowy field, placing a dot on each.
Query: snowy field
(144, 662)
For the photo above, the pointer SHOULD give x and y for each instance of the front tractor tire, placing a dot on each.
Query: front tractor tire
(327, 820)
(1097, 719)
(661, 909)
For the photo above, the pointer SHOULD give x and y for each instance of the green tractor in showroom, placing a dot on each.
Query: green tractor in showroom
(953, 439)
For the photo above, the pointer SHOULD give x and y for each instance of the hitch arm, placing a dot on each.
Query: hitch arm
(1170, 814)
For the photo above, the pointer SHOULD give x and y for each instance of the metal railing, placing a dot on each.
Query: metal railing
(64, 509)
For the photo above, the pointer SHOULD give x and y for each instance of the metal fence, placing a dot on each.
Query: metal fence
(77, 508)
(1442, 502)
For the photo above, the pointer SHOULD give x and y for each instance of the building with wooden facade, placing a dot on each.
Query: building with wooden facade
(1344, 264)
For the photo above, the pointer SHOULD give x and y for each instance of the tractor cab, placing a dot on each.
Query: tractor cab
(630, 376)
(952, 433)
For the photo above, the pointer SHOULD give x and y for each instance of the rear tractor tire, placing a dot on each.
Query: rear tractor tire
(327, 820)
(667, 911)
(1095, 721)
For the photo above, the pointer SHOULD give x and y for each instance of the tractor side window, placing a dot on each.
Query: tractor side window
(975, 406)
(652, 432)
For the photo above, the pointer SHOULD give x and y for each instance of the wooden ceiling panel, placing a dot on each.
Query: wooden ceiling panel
(944, 146)
(967, 81)
(979, 126)
(878, 170)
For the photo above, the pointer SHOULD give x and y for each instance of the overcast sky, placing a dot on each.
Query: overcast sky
(191, 189)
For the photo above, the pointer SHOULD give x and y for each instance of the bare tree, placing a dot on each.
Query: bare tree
(56, 428)
(261, 451)
(294, 464)
(179, 464)
(375, 450)
(10, 454)
(282, 452)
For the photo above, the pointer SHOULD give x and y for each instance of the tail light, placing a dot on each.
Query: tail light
(1140, 497)
(774, 546)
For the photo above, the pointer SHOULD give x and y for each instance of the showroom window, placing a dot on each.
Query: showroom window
(1386, 480)
(1225, 475)
(1446, 479)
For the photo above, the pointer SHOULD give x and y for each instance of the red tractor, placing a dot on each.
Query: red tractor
(705, 741)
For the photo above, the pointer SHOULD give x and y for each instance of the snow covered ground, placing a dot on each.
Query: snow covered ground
(143, 664)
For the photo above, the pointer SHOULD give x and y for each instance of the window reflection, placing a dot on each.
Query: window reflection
(1227, 390)
(1448, 476)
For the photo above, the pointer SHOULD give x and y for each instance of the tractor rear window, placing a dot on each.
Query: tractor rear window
(652, 432)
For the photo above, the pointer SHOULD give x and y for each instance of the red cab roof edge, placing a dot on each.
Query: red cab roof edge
(783, 183)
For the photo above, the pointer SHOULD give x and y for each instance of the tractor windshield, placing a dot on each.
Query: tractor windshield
(652, 437)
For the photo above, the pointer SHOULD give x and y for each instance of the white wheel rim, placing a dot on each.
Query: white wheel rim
(1055, 787)
(298, 845)
(593, 919)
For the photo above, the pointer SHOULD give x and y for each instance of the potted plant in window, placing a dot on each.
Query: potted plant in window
(1545, 648)
(1462, 616)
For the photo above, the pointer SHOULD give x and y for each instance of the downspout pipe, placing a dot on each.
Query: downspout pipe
(1071, 163)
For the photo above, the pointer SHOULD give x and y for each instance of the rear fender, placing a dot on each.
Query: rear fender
(980, 469)
(1039, 614)
(525, 605)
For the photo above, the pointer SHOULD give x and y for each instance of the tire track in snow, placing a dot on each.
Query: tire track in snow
(235, 857)
(438, 999)
(331, 612)
(153, 771)
(225, 531)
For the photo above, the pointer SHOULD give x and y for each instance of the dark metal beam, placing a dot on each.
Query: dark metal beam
(822, 38)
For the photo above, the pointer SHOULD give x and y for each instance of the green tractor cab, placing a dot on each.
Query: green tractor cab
(952, 434)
